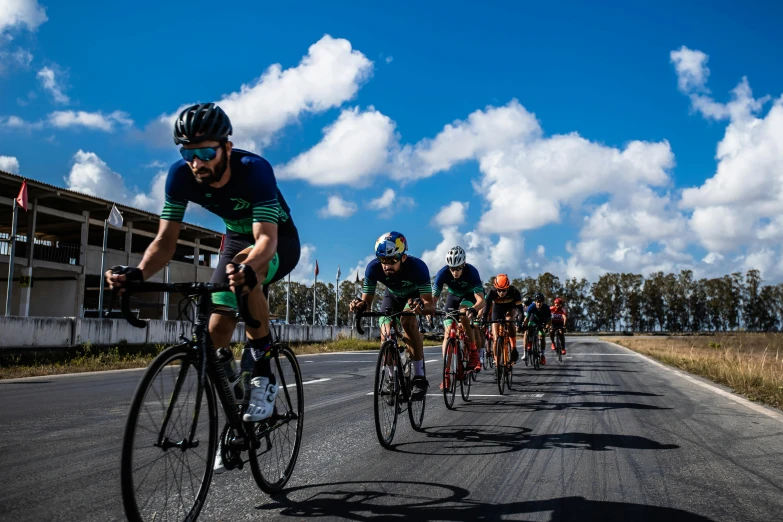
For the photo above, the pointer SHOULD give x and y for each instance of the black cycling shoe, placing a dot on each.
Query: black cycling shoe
(419, 387)
(514, 355)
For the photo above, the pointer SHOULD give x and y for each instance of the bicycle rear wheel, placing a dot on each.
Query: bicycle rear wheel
(537, 347)
(559, 347)
(279, 437)
(464, 383)
(501, 366)
(416, 408)
(509, 370)
(386, 393)
(169, 395)
(450, 361)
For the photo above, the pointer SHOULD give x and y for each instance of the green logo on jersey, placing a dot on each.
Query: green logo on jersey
(241, 203)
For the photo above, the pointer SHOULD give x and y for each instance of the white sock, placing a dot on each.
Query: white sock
(418, 368)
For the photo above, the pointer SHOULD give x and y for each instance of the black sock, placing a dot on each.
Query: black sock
(262, 356)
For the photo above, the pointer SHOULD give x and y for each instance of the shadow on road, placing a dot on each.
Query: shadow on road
(596, 406)
(400, 500)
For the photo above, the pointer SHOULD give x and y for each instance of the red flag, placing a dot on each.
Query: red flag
(21, 199)
(316, 268)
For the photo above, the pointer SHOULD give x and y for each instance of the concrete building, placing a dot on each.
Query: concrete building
(59, 245)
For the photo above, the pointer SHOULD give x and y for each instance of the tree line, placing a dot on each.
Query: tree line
(615, 302)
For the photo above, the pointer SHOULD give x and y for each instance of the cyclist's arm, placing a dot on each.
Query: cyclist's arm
(161, 250)
(265, 234)
(429, 303)
(480, 303)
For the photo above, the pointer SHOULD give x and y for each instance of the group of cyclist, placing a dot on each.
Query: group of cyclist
(261, 246)
(407, 281)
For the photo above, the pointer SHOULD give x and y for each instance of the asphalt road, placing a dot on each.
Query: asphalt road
(606, 435)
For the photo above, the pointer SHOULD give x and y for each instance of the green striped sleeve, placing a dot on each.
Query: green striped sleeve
(425, 288)
(479, 289)
(267, 211)
(368, 287)
(435, 291)
(173, 210)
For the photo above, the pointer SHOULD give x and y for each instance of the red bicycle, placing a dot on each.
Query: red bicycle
(455, 361)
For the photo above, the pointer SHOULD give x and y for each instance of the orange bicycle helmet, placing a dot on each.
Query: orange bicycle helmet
(502, 282)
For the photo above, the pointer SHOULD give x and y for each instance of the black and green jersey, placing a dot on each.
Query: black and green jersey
(413, 278)
(250, 196)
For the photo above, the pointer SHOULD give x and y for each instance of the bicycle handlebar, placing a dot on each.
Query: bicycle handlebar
(361, 313)
(189, 289)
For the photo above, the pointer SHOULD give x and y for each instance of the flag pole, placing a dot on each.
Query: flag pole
(103, 266)
(12, 252)
(314, 283)
(336, 294)
(288, 299)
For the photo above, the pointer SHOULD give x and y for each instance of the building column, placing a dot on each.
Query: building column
(24, 305)
(128, 241)
(82, 279)
(196, 254)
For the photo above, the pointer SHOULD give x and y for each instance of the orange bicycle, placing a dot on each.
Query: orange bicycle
(503, 343)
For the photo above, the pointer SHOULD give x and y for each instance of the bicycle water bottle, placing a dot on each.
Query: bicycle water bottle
(234, 376)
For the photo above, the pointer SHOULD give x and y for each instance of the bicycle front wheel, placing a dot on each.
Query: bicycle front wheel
(537, 347)
(450, 361)
(416, 408)
(279, 437)
(501, 366)
(386, 394)
(464, 383)
(559, 346)
(170, 440)
(510, 369)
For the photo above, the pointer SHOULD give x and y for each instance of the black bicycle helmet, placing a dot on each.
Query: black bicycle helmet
(539, 297)
(202, 122)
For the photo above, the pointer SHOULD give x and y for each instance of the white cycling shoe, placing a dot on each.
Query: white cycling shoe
(262, 399)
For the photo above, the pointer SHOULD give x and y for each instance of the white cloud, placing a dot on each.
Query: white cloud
(90, 120)
(17, 13)
(389, 59)
(303, 273)
(540, 250)
(354, 149)
(49, 82)
(17, 123)
(452, 214)
(338, 207)
(20, 58)
(485, 130)
(389, 202)
(9, 164)
(359, 268)
(691, 68)
(326, 77)
(155, 164)
(91, 175)
(152, 201)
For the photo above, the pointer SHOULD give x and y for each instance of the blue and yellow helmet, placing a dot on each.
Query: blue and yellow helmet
(391, 244)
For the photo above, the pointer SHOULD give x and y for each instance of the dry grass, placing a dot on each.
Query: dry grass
(750, 364)
(88, 358)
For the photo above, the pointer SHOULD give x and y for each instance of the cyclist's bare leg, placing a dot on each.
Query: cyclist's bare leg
(468, 328)
(495, 332)
(412, 338)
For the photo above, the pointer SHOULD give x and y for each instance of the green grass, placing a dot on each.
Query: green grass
(91, 358)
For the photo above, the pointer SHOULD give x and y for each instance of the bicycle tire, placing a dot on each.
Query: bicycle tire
(559, 347)
(464, 383)
(501, 366)
(416, 408)
(450, 361)
(537, 353)
(185, 353)
(263, 477)
(509, 371)
(388, 353)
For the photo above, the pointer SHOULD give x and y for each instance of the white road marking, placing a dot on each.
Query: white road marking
(741, 400)
(524, 395)
(431, 361)
(309, 382)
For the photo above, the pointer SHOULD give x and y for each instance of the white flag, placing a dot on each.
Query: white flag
(115, 217)
(338, 271)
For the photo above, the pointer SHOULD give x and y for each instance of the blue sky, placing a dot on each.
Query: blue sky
(574, 138)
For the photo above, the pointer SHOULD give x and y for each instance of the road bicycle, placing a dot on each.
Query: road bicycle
(172, 424)
(504, 375)
(455, 360)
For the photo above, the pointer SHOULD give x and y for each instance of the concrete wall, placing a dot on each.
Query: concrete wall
(19, 332)
(53, 298)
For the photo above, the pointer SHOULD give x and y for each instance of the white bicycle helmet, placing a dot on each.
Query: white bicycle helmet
(455, 257)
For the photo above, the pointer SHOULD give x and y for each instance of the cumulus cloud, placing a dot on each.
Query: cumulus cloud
(9, 164)
(303, 273)
(48, 79)
(15, 14)
(20, 58)
(90, 120)
(452, 214)
(338, 207)
(18, 124)
(329, 75)
(354, 149)
(389, 202)
(91, 175)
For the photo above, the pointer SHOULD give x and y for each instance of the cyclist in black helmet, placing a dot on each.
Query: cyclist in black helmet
(261, 242)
